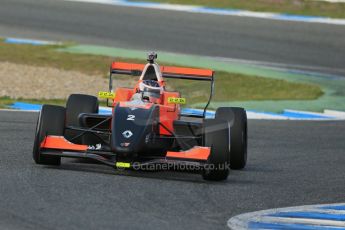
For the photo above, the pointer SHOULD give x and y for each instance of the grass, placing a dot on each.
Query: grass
(301, 7)
(229, 86)
(49, 57)
(237, 87)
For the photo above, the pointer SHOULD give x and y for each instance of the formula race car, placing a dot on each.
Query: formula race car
(147, 128)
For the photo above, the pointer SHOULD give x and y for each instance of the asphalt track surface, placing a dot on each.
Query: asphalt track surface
(306, 46)
(290, 163)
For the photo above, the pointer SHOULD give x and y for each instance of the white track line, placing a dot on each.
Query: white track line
(284, 220)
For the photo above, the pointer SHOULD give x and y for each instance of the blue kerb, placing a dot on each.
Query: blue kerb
(198, 112)
(26, 41)
(216, 10)
(299, 115)
(145, 4)
(25, 106)
(310, 215)
(104, 111)
(282, 226)
(300, 17)
(338, 207)
(304, 115)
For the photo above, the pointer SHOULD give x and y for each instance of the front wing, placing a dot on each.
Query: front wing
(195, 157)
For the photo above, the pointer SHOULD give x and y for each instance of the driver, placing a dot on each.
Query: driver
(149, 91)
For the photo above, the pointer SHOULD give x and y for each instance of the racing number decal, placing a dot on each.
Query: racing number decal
(177, 100)
(131, 118)
(106, 95)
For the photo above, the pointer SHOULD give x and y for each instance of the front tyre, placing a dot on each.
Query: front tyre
(77, 104)
(237, 117)
(51, 121)
(216, 136)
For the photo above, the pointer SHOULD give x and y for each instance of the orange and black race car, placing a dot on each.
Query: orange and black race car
(146, 128)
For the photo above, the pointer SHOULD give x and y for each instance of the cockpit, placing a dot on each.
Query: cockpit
(151, 84)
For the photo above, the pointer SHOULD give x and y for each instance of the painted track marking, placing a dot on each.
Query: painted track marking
(311, 217)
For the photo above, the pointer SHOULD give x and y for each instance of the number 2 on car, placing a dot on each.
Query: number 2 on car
(131, 118)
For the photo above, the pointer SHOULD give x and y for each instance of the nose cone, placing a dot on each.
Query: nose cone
(131, 125)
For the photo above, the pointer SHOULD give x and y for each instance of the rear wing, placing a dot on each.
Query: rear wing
(134, 69)
(167, 71)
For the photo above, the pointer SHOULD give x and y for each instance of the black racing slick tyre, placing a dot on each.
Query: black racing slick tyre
(237, 118)
(51, 121)
(216, 135)
(77, 104)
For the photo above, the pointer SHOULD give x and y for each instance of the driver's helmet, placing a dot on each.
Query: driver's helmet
(151, 90)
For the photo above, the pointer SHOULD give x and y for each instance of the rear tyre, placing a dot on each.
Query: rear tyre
(51, 121)
(237, 118)
(216, 136)
(77, 104)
